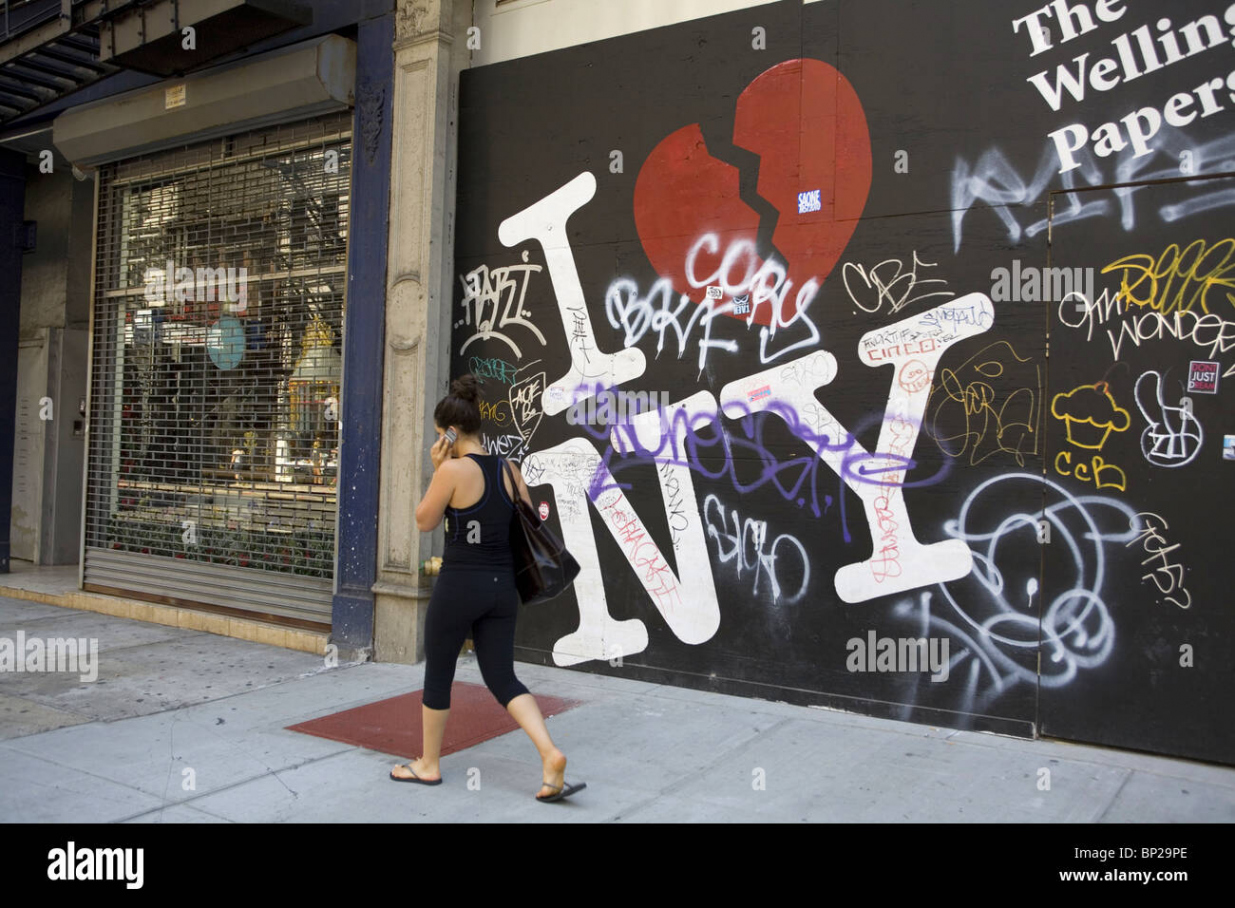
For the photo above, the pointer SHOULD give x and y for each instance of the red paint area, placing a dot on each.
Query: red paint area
(682, 193)
(804, 120)
(393, 726)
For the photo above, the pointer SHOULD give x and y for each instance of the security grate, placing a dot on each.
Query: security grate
(215, 384)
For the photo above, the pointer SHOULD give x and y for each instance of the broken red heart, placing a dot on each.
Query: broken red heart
(805, 122)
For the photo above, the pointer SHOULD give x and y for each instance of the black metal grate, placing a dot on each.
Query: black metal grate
(214, 423)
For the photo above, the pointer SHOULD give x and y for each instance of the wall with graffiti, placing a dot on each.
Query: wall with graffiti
(875, 355)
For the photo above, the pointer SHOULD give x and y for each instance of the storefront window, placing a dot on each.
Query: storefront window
(221, 275)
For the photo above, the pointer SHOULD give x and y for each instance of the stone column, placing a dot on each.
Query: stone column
(430, 51)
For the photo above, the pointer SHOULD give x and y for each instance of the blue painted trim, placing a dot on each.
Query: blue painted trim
(12, 210)
(364, 338)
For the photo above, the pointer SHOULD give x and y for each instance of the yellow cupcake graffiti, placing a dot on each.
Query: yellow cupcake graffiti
(1090, 414)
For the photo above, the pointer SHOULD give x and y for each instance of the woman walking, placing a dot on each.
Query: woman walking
(476, 588)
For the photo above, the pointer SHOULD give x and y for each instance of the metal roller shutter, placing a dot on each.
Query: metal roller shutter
(217, 327)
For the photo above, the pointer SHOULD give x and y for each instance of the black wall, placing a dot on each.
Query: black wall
(1069, 542)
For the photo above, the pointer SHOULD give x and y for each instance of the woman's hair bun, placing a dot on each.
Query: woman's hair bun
(461, 407)
(466, 387)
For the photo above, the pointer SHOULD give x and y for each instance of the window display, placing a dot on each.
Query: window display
(218, 324)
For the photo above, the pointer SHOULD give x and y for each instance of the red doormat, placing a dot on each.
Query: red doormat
(393, 726)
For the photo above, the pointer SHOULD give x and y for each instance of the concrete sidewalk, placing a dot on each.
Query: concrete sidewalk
(172, 704)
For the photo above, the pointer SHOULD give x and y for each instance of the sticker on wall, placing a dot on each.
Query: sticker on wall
(1202, 377)
(544, 506)
(1228, 447)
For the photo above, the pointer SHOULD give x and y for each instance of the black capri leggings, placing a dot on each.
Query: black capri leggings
(486, 602)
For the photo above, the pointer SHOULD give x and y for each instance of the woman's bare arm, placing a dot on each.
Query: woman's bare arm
(432, 507)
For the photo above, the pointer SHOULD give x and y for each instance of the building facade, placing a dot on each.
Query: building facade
(205, 187)
(866, 353)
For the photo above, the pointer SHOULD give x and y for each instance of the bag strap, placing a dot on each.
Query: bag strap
(514, 486)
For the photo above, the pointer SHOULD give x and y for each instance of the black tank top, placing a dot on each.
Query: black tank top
(479, 536)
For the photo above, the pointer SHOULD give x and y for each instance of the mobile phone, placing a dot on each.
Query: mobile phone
(451, 435)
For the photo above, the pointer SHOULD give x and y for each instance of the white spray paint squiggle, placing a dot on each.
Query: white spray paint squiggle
(1174, 435)
(994, 622)
(992, 179)
(745, 545)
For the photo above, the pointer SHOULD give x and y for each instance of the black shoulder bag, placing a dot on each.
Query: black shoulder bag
(543, 566)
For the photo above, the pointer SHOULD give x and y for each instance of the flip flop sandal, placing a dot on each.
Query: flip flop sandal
(560, 794)
(414, 778)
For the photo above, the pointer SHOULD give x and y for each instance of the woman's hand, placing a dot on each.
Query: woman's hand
(433, 506)
(440, 452)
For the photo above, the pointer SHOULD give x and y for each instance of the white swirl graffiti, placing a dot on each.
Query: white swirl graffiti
(746, 545)
(1168, 440)
(998, 628)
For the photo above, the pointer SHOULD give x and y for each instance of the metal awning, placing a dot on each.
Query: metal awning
(51, 48)
(48, 49)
